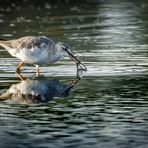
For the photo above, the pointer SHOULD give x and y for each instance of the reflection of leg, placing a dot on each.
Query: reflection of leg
(37, 70)
(73, 83)
(18, 67)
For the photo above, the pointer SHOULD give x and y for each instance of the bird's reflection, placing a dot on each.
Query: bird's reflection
(39, 89)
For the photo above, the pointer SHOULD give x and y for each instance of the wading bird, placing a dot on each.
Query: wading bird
(38, 50)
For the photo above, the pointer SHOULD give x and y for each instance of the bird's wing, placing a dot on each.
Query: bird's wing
(32, 42)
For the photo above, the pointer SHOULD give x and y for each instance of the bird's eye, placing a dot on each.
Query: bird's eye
(64, 48)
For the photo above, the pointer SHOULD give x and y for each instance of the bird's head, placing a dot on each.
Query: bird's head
(65, 50)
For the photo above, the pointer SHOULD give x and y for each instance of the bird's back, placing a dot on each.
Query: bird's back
(27, 42)
(30, 48)
(32, 42)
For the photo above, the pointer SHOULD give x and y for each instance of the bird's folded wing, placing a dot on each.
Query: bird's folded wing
(32, 42)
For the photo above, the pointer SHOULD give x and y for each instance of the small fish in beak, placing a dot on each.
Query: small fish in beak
(66, 49)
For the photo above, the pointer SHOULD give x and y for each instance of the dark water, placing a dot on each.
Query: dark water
(108, 107)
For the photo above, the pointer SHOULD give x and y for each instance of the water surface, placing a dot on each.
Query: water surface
(108, 107)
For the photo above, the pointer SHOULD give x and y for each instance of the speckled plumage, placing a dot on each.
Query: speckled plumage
(33, 50)
(37, 51)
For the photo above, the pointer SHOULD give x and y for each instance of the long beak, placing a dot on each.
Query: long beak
(76, 61)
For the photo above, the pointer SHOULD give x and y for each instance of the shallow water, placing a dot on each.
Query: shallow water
(108, 107)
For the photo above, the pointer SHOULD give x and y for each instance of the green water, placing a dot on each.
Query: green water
(108, 107)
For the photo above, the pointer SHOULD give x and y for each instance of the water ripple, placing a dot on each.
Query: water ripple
(109, 106)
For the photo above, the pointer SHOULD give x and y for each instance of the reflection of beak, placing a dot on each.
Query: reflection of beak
(76, 61)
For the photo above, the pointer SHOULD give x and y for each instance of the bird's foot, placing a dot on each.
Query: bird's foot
(37, 74)
(37, 71)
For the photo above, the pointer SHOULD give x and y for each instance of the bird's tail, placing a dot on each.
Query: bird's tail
(5, 43)
(3, 39)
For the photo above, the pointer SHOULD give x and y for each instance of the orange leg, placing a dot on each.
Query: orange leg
(20, 77)
(18, 70)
